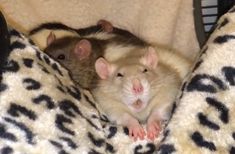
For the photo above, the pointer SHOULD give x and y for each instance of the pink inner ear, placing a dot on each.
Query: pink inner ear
(102, 68)
(150, 58)
(82, 49)
(106, 25)
(51, 38)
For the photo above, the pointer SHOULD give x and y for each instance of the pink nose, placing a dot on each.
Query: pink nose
(137, 86)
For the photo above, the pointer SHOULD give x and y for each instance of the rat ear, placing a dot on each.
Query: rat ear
(103, 68)
(51, 38)
(82, 49)
(150, 58)
(105, 25)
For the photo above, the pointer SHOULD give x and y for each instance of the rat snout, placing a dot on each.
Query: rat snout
(137, 87)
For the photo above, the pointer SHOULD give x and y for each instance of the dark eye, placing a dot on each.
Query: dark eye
(119, 75)
(145, 70)
(61, 57)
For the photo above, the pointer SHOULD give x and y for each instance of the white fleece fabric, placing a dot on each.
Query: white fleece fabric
(168, 23)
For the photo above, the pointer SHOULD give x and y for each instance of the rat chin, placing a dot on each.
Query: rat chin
(137, 106)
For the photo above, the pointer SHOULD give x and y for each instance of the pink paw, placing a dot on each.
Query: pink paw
(153, 129)
(136, 130)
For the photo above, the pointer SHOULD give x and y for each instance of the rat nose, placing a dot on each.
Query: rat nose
(137, 86)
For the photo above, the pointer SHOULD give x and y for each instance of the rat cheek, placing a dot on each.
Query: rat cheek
(118, 81)
(150, 77)
(147, 87)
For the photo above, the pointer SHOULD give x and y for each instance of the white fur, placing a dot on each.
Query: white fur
(40, 38)
(128, 97)
(101, 36)
(175, 60)
(114, 52)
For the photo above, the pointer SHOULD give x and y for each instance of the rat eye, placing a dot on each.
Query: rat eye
(61, 57)
(145, 70)
(120, 75)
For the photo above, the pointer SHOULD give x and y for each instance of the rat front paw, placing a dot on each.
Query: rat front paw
(136, 130)
(153, 129)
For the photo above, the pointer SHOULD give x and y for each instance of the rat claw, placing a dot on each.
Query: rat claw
(141, 135)
(135, 138)
(151, 136)
(143, 132)
(136, 134)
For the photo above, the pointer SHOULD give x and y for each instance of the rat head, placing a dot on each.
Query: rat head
(129, 79)
(68, 48)
(77, 55)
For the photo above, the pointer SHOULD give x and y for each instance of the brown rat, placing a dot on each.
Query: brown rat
(139, 88)
(78, 55)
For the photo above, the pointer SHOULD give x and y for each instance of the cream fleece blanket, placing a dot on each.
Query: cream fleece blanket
(169, 23)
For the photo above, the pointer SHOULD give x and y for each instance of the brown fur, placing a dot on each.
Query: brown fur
(82, 71)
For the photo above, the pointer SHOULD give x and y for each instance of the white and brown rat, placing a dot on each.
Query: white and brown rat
(139, 88)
